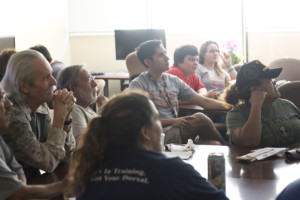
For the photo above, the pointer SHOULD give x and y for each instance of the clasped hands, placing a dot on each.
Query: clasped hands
(63, 103)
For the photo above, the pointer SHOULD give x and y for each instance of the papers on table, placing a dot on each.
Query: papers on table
(183, 151)
(261, 154)
(184, 155)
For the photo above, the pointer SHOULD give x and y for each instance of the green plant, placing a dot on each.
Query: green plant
(231, 48)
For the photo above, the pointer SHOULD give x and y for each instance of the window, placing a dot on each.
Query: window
(271, 15)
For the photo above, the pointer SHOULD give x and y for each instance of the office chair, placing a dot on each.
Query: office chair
(291, 91)
(134, 66)
(290, 68)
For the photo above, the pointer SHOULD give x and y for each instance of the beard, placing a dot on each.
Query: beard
(87, 97)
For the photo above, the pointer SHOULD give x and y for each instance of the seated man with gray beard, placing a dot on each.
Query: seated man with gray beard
(77, 79)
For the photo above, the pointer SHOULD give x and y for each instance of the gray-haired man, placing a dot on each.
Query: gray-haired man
(12, 178)
(37, 141)
(77, 79)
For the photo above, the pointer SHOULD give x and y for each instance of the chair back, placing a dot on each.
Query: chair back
(134, 66)
(100, 86)
(291, 91)
(290, 68)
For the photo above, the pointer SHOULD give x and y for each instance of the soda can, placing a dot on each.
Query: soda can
(216, 170)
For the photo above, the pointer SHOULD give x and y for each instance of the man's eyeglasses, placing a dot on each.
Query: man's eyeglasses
(273, 81)
(91, 78)
(212, 51)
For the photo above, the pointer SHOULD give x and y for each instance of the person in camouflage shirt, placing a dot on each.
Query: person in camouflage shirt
(37, 141)
(12, 178)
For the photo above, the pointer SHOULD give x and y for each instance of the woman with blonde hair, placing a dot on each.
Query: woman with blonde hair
(121, 157)
(210, 70)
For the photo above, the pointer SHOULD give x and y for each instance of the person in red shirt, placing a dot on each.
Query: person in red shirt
(186, 61)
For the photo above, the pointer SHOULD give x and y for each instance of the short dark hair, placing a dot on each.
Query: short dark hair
(181, 52)
(43, 50)
(4, 57)
(146, 50)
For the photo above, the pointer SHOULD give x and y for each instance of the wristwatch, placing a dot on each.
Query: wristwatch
(67, 123)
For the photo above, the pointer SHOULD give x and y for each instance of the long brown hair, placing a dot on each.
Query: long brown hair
(236, 96)
(118, 126)
(203, 49)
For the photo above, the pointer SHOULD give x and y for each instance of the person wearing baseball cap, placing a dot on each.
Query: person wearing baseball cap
(260, 118)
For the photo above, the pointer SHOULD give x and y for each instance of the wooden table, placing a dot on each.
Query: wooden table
(259, 180)
(122, 76)
(59, 173)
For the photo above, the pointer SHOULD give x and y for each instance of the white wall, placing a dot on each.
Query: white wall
(97, 53)
(45, 22)
(268, 46)
(37, 22)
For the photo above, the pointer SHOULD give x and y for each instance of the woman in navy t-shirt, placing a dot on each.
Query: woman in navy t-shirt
(121, 158)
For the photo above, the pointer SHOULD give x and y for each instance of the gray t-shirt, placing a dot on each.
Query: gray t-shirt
(280, 123)
(176, 89)
(9, 170)
(80, 118)
(211, 79)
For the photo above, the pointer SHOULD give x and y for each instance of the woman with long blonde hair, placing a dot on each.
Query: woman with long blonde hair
(210, 71)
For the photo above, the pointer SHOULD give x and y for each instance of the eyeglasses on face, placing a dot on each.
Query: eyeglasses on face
(91, 78)
(273, 81)
(212, 51)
